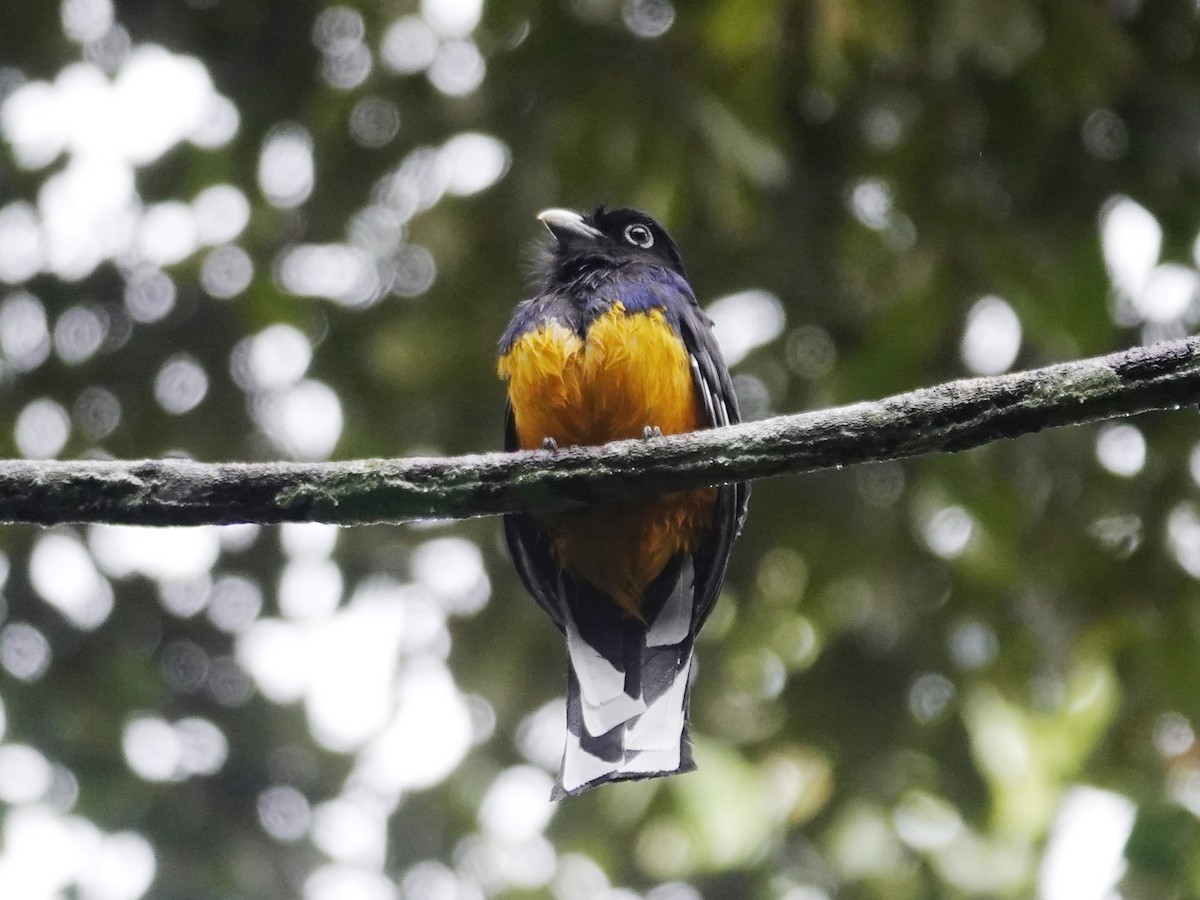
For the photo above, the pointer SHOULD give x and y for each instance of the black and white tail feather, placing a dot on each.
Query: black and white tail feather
(628, 686)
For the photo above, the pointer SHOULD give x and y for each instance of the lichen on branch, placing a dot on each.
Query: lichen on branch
(949, 417)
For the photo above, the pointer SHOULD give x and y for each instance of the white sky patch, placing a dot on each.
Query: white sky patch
(161, 99)
(746, 320)
(473, 162)
(1121, 449)
(1131, 239)
(89, 211)
(156, 100)
(62, 571)
(45, 853)
(992, 337)
(164, 554)
(1085, 854)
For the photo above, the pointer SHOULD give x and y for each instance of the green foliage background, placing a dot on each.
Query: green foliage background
(849, 745)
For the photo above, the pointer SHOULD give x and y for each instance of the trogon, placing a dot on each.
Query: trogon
(614, 346)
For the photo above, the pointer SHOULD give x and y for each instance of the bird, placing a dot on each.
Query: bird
(612, 346)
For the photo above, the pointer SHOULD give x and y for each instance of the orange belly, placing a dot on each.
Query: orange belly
(630, 372)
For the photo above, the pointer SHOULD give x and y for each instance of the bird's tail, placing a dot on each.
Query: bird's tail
(627, 695)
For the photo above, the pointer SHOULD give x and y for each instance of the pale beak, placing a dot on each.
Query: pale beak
(566, 224)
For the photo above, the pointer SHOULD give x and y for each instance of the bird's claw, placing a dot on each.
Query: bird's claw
(549, 443)
(651, 431)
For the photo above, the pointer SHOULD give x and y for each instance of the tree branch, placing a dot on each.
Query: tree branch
(954, 416)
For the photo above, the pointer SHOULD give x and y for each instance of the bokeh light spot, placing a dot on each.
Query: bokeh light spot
(1121, 449)
(409, 45)
(648, 18)
(226, 272)
(24, 651)
(42, 429)
(221, 213)
(79, 333)
(374, 121)
(473, 162)
(948, 531)
(24, 334)
(284, 813)
(992, 337)
(285, 166)
(180, 385)
(744, 321)
(62, 571)
(457, 68)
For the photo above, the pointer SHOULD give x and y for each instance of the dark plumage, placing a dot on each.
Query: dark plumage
(614, 345)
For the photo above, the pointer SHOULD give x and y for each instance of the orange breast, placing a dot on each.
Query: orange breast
(631, 371)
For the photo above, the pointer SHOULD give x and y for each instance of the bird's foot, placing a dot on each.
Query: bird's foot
(651, 431)
(549, 443)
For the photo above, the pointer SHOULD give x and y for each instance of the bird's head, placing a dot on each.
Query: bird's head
(607, 238)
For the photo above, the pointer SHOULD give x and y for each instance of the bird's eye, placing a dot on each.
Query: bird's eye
(639, 236)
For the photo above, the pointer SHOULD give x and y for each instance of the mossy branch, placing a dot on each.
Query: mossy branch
(949, 417)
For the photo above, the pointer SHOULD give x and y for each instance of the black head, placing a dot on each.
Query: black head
(608, 238)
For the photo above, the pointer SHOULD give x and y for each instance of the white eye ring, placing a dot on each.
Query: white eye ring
(639, 236)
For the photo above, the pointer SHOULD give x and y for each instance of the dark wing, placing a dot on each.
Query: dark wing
(717, 399)
(529, 546)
